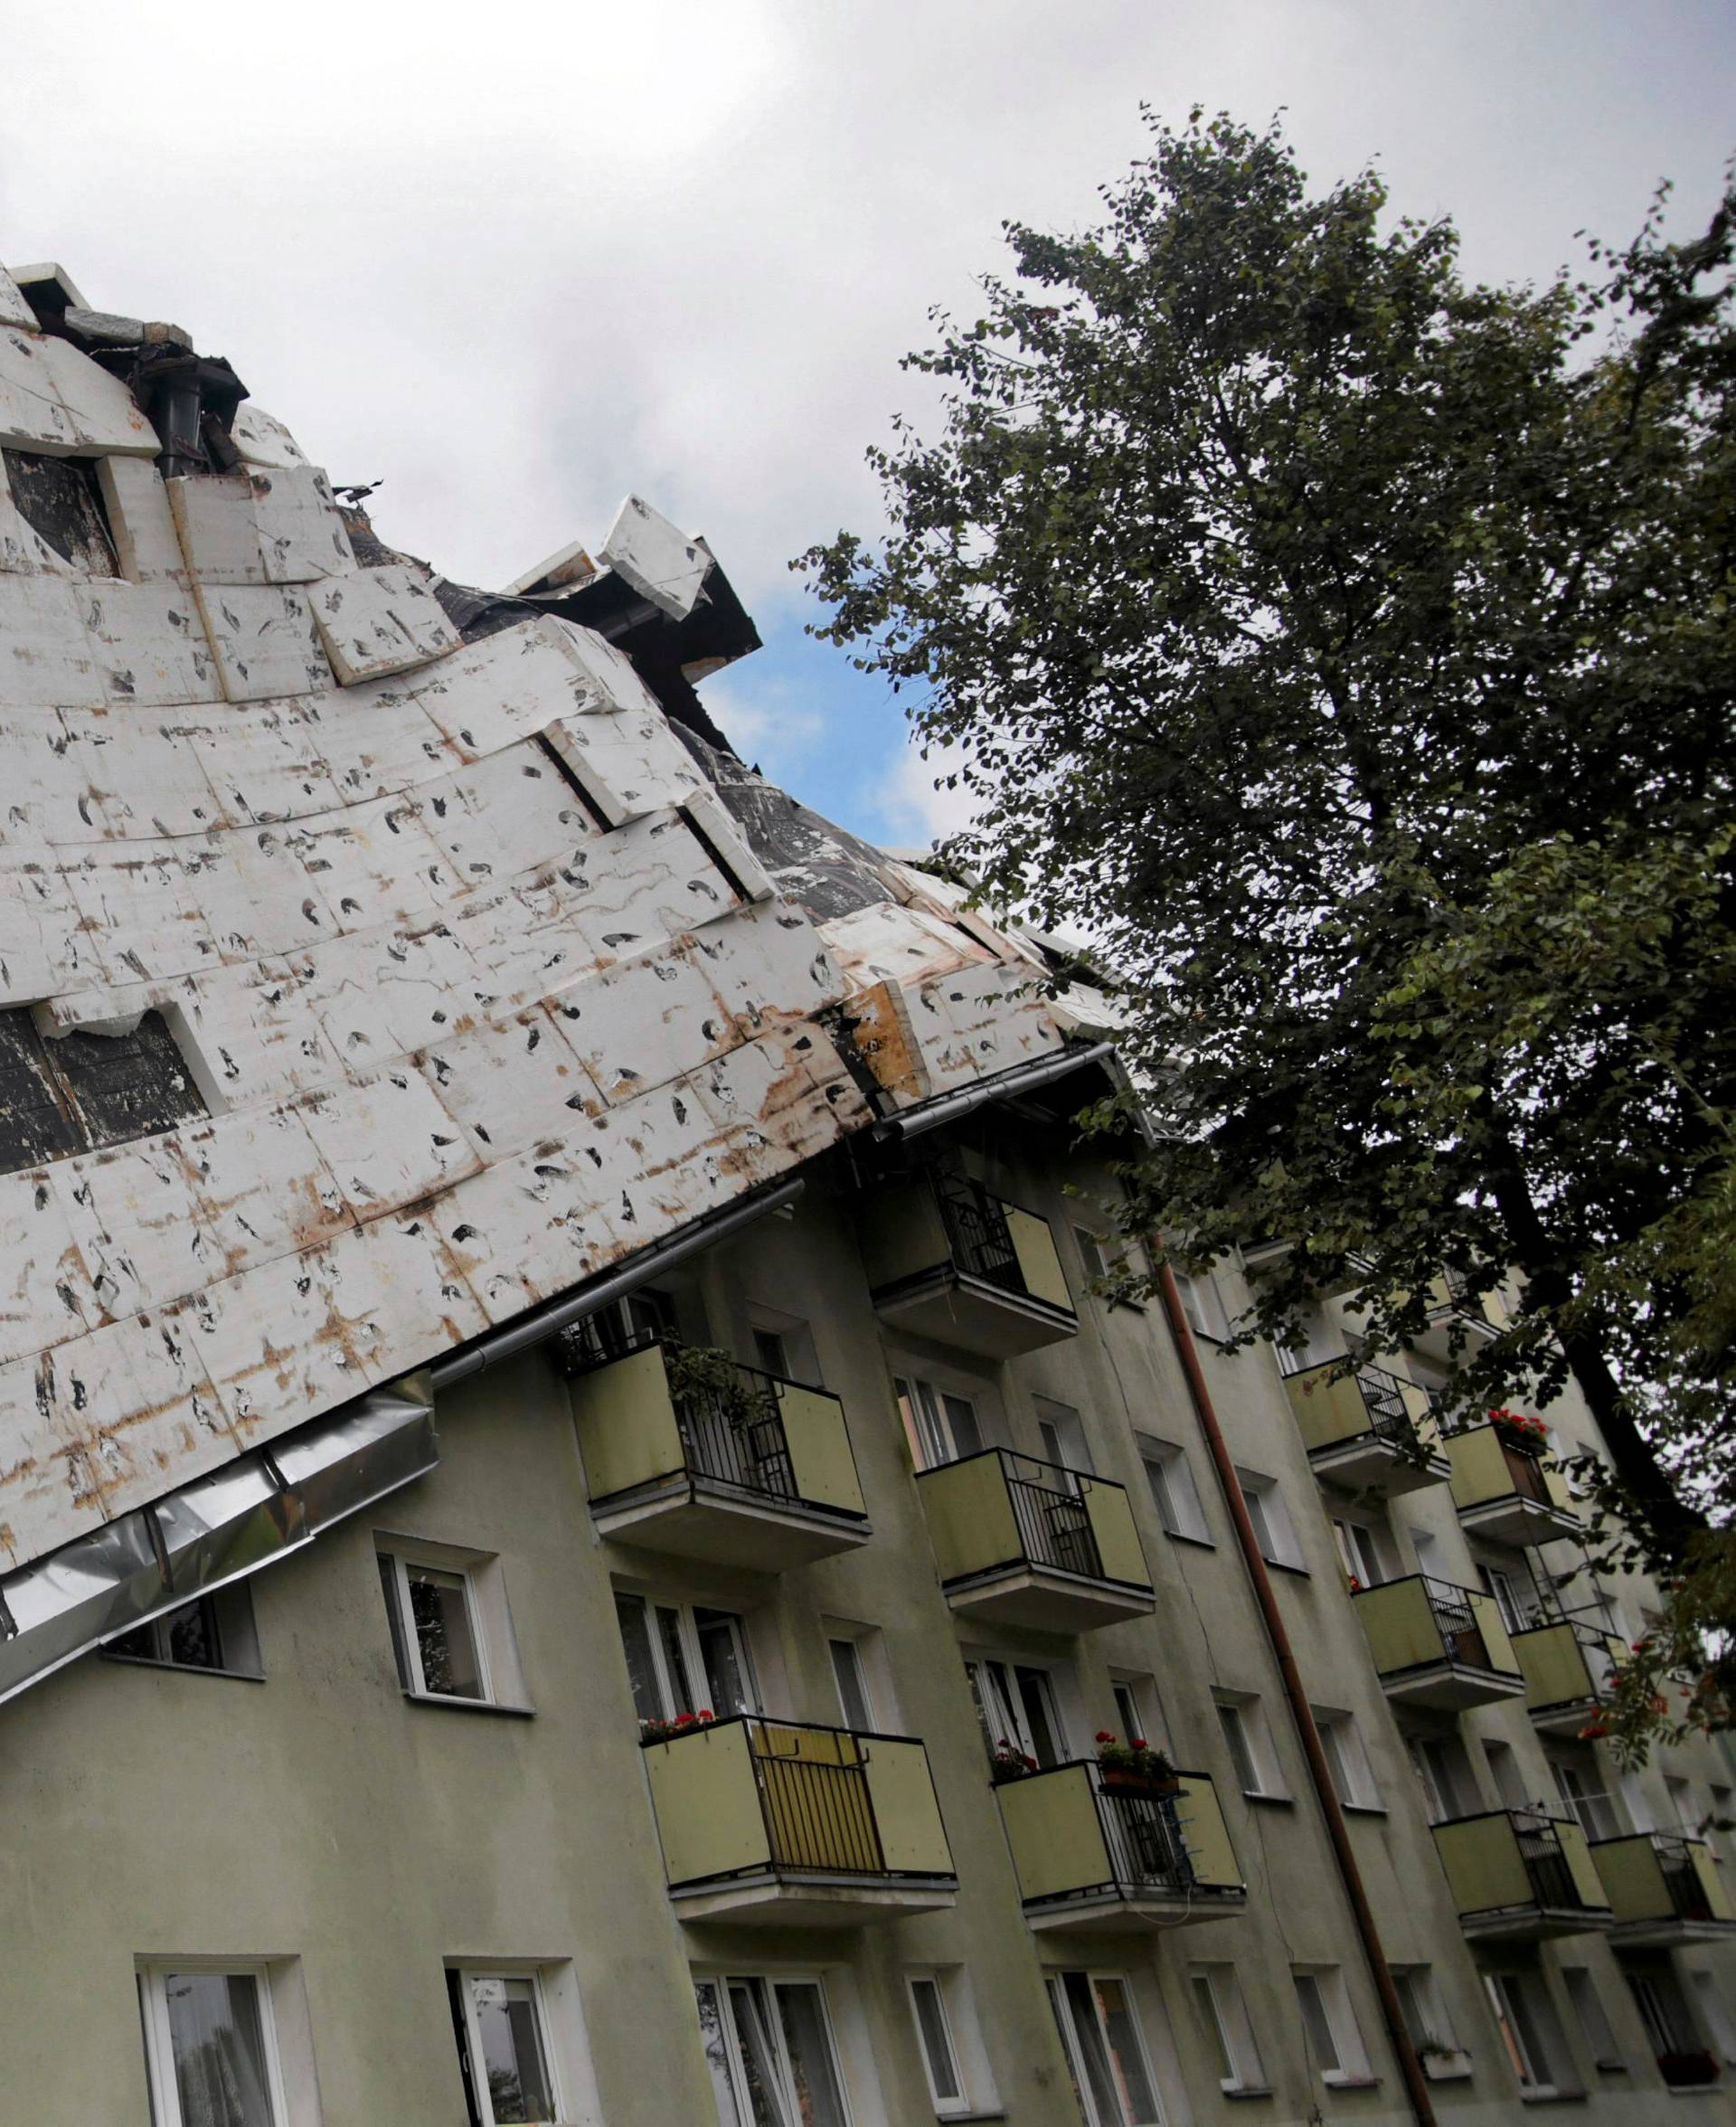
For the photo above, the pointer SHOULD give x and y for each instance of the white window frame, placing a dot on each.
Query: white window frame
(1361, 1551)
(1269, 1512)
(929, 1424)
(934, 1977)
(1586, 2000)
(1351, 1775)
(850, 1645)
(159, 2044)
(1169, 1479)
(1202, 1303)
(1056, 1982)
(794, 1333)
(1339, 2016)
(1244, 1710)
(1426, 2018)
(691, 1652)
(1062, 1429)
(784, 2095)
(473, 2036)
(401, 1559)
(1002, 1709)
(1514, 2002)
(1216, 1987)
(1138, 1708)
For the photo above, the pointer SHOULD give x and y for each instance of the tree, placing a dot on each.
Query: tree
(1346, 648)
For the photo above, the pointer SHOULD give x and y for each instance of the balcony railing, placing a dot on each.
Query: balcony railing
(1030, 1543)
(1570, 1667)
(1505, 1489)
(1522, 1874)
(785, 1816)
(666, 1450)
(1367, 1428)
(948, 1258)
(1435, 1643)
(1666, 1887)
(1091, 1851)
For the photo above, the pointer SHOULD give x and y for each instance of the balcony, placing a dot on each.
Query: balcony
(1665, 1890)
(781, 1824)
(1438, 1645)
(1568, 1667)
(1026, 1543)
(1508, 1491)
(1518, 1875)
(742, 1470)
(1093, 1855)
(1366, 1432)
(1451, 1304)
(947, 1260)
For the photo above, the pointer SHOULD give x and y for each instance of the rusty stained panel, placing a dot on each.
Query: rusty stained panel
(490, 975)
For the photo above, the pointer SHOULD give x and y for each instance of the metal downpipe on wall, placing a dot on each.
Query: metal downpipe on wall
(1416, 2082)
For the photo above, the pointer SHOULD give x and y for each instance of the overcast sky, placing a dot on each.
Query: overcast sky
(515, 261)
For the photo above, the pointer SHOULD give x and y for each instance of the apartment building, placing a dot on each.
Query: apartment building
(582, 1543)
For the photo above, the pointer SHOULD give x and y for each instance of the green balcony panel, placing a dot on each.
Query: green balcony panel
(949, 1259)
(784, 1824)
(764, 1478)
(1569, 1668)
(1366, 1432)
(1665, 1890)
(1519, 1876)
(1435, 1644)
(1094, 1855)
(1507, 1493)
(1026, 1543)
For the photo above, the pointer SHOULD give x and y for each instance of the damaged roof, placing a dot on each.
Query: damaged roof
(379, 958)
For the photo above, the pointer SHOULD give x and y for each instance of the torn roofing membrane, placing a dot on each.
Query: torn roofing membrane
(480, 963)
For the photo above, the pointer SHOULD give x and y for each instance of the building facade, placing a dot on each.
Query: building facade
(729, 1710)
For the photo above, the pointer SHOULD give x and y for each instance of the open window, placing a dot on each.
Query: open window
(1274, 1531)
(451, 1635)
(1173, 1490)
(505, 2053)
(1228, 2033)
(941, 1427)
(1105, 2048)
(685, 1658)
(770, 2047)
(1530, 2034)
(1352, 1778)
(1334, 2040)
(1018, 1709)
(1249, 1742)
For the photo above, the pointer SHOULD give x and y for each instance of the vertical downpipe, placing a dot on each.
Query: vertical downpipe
(1415, 2082)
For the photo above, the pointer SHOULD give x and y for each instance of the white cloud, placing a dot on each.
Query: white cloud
(916, 806)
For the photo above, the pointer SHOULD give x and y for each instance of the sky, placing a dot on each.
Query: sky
(515, 263)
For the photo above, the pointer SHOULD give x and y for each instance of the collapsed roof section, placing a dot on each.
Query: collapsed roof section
(379, 960)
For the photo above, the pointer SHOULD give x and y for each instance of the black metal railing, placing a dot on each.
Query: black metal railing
(1688, 1899)
(1455, 1614)
(1143, 1835)
(1545, 1865)
(1048, 1508)
(978, 1232)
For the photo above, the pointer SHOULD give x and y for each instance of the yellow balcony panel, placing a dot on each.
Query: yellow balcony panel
(948, 1260)
(1665, 1890)
(1570, 1667)
(1097, 1856)
(762, 1479)
(1519, 1876)
(781, 1824)
(1435, 1644)
(1450, 1305)
(1025, 1543)
(1506, 1492)
(1368, 1432)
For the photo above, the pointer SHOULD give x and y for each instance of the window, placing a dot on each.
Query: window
(1427, 2021)
(1334, 2043)
(1173, 1490)
(1016, 1706)
(1273, 1530)
(1515, 1596)
(1681, 1811)
(1250, 1748)
(1138, 1710)
(1093, 1259)
(684, 1658)
(783, 1345)
(434, 1633)
(1063, 1433)
(1224, 2018)
(1662, 2010)
(1359, 1553)
(624, 1325)
(1445, 1773)
(1596, 1811)
(211, 2046)
(769, 2045)
(853, 1699)
(1352, 1779)
(941, 1427)
(1714, 2014)
(1528, 2030)
(215, 1634)
(1202, 1304)
(1503, 1761)
(504, 2052)
(934, 2032)
(1722, 1821)
(1099, 2035)
(1594, 2021)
